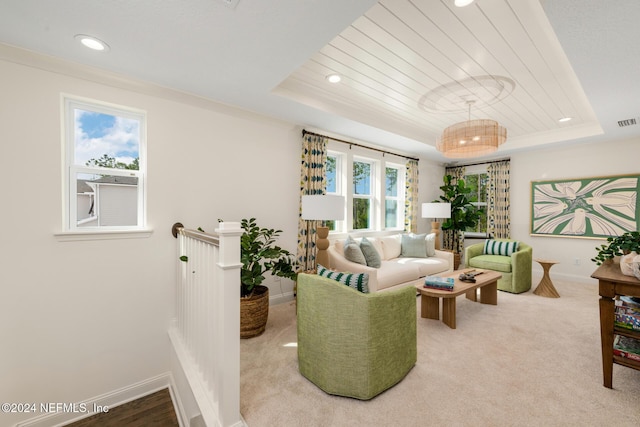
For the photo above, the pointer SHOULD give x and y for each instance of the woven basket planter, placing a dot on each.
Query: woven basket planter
(254, 311)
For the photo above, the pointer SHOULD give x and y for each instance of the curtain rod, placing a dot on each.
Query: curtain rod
(306, 132)
(455, 165)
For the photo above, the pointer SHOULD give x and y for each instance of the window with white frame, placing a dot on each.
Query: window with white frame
(477, 179)
(373, 188)
(362, 196)
(394, 196)
(333, 174)
(105, 166)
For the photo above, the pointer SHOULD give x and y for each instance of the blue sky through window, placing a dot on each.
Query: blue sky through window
(97, 134)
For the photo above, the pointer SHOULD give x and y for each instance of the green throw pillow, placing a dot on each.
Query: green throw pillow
(370, 253)
(414, 245)
(359, 282)
(352, 251)
(495, 247)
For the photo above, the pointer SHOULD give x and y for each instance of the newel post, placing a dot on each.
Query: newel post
(229, 269)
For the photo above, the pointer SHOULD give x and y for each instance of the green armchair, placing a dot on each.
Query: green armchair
(515, 269)
(354, 344)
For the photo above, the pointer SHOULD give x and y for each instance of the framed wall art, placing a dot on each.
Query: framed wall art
(595, 208)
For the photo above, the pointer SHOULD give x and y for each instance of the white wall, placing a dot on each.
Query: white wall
(85, 318)
(578, 161)
(80, 319)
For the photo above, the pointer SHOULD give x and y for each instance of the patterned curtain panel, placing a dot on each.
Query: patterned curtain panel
(456, 172)
(312, 181)
(499, 217)
(449, 239)
(411, 197)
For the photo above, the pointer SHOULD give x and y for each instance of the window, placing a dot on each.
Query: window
(478, 197)
(362, 194)
(393, 202)
(104, 167)
(334, 184)
(373, 188)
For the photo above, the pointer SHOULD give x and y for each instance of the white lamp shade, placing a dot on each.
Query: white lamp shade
(436, 210)
(323, 207)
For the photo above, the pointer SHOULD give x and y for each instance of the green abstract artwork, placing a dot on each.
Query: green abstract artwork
(585, 207)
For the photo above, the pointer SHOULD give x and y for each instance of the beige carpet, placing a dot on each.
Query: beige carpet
(529, 361)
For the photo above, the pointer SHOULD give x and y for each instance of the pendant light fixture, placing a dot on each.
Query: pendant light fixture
(471, 138)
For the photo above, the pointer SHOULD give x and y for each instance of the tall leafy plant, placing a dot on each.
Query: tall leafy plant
(260, 255)
(463, 214)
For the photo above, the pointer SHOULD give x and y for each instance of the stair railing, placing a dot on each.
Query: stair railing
(205, 333)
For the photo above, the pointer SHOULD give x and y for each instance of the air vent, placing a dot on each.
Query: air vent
(628, 122)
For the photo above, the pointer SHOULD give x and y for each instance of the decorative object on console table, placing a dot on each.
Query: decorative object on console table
(436, 211)
(626, 246)
(322, 207)
(259, 255)
(545, 287)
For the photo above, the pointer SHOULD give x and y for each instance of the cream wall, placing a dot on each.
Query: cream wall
(578, 161)
(80, 319)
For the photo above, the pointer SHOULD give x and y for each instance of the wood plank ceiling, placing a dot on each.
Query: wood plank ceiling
(411, 67)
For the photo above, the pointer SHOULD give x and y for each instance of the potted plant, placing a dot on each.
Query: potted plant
(625, 245)
(463, 215)
(259, 255)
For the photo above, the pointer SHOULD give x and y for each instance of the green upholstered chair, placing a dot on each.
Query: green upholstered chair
(354, 344)
(515, 269)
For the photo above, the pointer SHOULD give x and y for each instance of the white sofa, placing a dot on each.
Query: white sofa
(395, 271)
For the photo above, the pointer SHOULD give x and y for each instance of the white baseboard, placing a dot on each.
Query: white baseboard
(575, 278)
(107, 400)
(281, 298)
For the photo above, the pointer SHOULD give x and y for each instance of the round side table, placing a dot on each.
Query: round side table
(545, 287)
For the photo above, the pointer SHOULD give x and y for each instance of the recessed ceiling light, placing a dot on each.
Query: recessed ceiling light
(333, 78)
(92, 42)
(463, 3)
(564, 119)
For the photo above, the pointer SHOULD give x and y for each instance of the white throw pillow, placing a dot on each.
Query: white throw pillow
(391, 246)
(431, 244)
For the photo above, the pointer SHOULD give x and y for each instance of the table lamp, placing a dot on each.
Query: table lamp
(322, 208)
(436, 211)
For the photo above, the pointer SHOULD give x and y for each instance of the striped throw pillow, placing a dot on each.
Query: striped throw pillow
(359, 281)
(495, 247)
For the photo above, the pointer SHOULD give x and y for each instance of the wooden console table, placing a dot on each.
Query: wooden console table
(612, 283)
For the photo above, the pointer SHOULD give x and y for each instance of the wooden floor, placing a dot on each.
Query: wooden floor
(153, 410)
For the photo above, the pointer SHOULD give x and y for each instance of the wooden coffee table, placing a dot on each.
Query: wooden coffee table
(487, 282)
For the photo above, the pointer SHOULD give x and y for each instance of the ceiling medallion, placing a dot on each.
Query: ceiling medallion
(453, 97)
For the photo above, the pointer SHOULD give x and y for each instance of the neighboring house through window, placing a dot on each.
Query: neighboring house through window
(104, 166)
